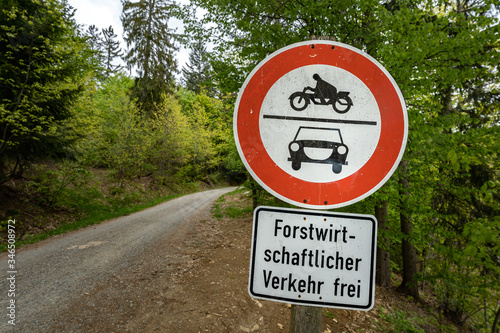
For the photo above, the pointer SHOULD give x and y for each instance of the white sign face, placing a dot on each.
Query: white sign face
(313, 258)
(358, 128)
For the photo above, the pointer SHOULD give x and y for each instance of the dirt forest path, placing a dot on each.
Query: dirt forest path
(56, 278)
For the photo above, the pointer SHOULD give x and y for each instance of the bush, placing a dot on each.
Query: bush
(52, 186)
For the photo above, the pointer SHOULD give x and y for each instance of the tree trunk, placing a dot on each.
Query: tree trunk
(254, 187)
(409, 284)
(383, 270)
(305, 319)
(496, 323)
(3, 175)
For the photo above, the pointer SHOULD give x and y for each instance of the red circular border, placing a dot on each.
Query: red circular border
(368, 177)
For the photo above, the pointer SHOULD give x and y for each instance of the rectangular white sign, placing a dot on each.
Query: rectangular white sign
(313, 258)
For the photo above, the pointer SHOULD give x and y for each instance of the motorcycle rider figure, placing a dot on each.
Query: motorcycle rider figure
(323, 94)
(324, 90)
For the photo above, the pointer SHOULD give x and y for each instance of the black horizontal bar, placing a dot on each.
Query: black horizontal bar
(322, 120)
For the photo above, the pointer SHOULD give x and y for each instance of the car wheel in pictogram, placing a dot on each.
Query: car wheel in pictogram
(296, 165)
(337, 167)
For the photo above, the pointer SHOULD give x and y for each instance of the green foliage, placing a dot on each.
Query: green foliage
(400, 322)
(444, 56)
(216, 208)
(93, 37)
(237, 212)
(233, 209)
(111, 129)
(453, 99)
(247, 31)
(231, 161)
(211, 124)
(41, 67)
(182, 140)
(93, 208)
(174, 143)
(51, 186)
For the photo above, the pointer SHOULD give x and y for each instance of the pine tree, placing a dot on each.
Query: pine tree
(151, 48)
(94, 39)
(196, 74)
(112, 50)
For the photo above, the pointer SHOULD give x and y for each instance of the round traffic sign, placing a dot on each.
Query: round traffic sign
(320, 124)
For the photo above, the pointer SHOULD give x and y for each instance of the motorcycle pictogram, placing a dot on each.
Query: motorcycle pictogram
(323, 94)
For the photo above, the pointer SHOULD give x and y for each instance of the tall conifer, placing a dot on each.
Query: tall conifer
(151, 48)
(95, 41)
(112, 50)
(196, 74)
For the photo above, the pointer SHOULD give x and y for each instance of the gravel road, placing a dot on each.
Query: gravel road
(53, 275)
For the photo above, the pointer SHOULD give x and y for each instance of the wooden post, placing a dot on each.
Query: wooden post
(306, 319)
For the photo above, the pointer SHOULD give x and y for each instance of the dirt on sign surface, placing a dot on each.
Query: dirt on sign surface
(197, 280)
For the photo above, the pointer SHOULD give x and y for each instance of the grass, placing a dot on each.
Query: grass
(328, 314)
(401, 321)
(232, 209)
(96, 214)
(217, 207)
(237, 212)
(58, 198)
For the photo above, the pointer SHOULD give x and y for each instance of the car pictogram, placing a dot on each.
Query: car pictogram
(318, 145)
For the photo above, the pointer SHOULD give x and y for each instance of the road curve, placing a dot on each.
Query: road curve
(52, 274)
